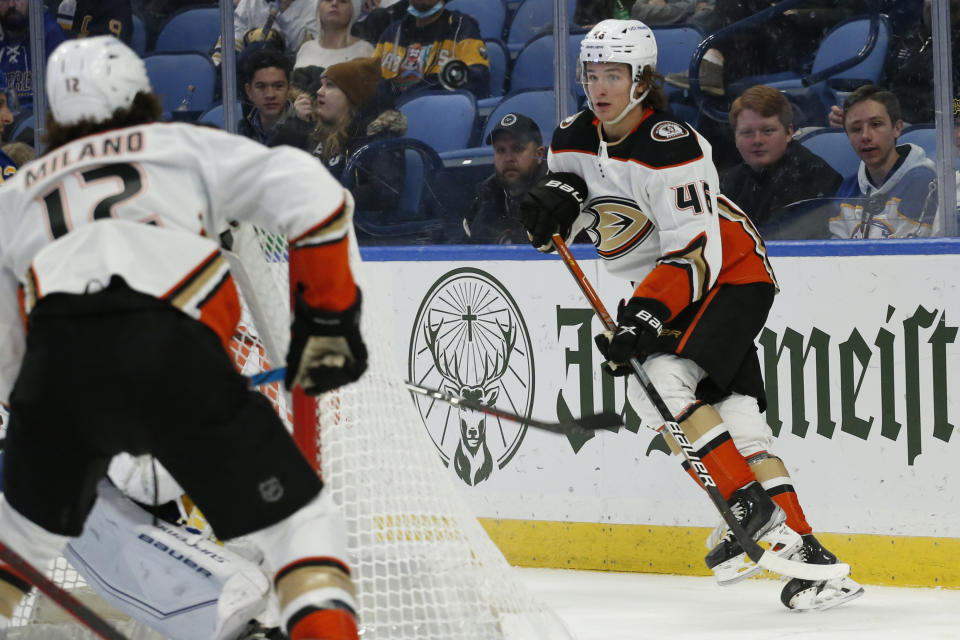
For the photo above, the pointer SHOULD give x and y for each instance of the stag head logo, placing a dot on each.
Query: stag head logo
(470, 341)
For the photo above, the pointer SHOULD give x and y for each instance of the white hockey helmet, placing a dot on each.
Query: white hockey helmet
(628, 41)
(90, 78)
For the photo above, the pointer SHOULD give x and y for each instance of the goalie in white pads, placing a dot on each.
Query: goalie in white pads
(116, 308)
(643, 186)
(197, 589)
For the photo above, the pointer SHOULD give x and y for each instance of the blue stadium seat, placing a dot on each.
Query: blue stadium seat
(532, 18)
(214, 116)
(841, 43)
(922, 135)
(139, 38)
(499, 62)
(832, 145)
(539, 105)
(676, 45)
(444, 120)
(194, 29)
(172, 74)
(491, 15)
(533, 68)
(417, 216)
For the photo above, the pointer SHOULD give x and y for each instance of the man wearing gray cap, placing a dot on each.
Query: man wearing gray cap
(518, 155)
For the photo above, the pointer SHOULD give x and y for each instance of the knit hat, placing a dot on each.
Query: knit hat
(357, 79)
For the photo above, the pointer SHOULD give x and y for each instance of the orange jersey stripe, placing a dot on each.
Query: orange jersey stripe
(221, 310)
(324, 272)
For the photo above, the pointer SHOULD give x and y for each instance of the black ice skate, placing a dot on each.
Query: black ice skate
(763, 521)
(817, 595)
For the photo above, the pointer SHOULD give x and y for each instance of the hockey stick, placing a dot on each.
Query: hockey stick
(86, 616)
(585, 426)
(756, 553)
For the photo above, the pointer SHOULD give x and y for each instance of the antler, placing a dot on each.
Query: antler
(501, 361)
(443, 367)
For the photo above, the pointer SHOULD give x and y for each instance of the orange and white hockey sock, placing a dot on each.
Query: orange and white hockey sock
(317, 600)
(711, 440)
(772, 474)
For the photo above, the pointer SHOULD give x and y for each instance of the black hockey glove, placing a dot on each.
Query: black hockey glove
(639, 323)
(551, 206)
(326, 349)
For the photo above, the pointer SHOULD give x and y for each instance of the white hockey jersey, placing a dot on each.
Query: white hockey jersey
(147, 203)
(654, 209)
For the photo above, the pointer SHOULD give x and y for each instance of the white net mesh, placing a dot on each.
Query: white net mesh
(423, 566)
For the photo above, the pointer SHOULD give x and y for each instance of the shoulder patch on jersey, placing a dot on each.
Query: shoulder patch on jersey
(668, 131)
(569, 120)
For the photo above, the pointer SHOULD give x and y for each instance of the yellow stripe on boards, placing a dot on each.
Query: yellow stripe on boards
(906, 561)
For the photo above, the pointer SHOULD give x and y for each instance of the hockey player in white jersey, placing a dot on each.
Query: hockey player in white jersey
(643, 186)
(116, 305)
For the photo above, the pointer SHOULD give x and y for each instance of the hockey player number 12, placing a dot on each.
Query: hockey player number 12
(129, 178)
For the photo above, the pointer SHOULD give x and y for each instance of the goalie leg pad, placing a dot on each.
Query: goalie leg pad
(37, 546)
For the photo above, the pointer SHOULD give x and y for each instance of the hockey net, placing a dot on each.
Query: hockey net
(423, 565)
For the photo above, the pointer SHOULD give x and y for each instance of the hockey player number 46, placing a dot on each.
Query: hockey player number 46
(694, 196)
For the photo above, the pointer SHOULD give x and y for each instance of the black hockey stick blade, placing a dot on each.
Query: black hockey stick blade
(585, 426)
(84, 614)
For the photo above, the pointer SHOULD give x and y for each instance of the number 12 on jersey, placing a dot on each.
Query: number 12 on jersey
(131, 183)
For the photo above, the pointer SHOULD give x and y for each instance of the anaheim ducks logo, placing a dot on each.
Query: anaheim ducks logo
(569, 120)
(618, 226)
(668, 131)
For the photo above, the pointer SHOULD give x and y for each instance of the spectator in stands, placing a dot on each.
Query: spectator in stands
(353, 108)
(894, 192)
(19, 152)
(518, 162)
(909, 72)
(268, 88)
(293, 21)
(776, 171)
(155, 14)
(654, 12)
(84, 18)
(15, 46)
(6, 112)
(376, 16)
(334, 43)
(587, 13)
(413, 50)
(785, 41)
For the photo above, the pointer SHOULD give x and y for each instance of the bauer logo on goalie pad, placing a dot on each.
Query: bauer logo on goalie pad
(469, 339)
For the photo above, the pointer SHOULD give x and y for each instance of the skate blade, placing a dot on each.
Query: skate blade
(833, 594)
(779, 541)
